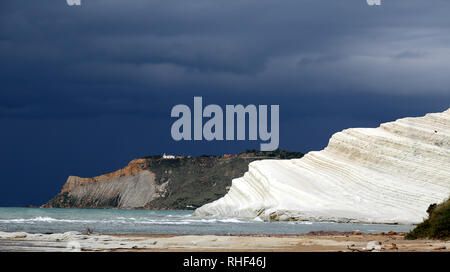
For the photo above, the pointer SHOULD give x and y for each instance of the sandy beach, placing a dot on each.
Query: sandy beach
(312, 242)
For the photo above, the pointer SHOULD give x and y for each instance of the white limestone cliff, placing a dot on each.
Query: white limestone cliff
(389, 174)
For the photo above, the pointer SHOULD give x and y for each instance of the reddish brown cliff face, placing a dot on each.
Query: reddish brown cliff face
(134, 167)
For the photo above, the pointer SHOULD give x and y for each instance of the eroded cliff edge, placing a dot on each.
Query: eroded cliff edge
(161, 183)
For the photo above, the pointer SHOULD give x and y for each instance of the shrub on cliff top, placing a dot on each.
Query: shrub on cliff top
(437, 226)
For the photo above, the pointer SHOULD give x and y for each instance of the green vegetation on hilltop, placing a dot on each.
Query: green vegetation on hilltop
(436, 226)
(278, 154)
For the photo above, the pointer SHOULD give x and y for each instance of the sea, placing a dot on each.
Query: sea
(115, 221)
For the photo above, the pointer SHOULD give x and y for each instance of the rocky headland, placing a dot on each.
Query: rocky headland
(161, 182)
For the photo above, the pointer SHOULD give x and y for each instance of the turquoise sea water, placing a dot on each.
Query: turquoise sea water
(161, 222)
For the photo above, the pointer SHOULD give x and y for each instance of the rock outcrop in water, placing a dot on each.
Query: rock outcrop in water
(388, 174)
(158, 183)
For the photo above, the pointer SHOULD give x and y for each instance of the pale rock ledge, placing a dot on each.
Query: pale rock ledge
(389, 174)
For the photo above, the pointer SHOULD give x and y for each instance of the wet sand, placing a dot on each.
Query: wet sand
(312, 242)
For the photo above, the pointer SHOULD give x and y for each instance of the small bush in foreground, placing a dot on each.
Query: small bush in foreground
(437, 226)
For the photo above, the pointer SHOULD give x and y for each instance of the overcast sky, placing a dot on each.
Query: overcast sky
(86, 89)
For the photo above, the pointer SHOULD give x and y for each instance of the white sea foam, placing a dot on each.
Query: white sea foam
(45, 220)
(127, 221)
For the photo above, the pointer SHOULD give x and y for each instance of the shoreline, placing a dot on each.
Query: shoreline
(219, 217)
(310, 242)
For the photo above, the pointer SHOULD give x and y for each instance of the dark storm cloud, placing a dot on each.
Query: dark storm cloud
(410, 54)
(178, 46)
(141, 57)
(86, 89)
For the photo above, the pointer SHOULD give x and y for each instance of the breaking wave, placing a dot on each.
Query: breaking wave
(123, 220)
(157, 222)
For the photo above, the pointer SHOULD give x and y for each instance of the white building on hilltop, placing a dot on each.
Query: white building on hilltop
(168, 157)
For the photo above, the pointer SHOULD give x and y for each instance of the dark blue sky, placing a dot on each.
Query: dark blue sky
(86, 89)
